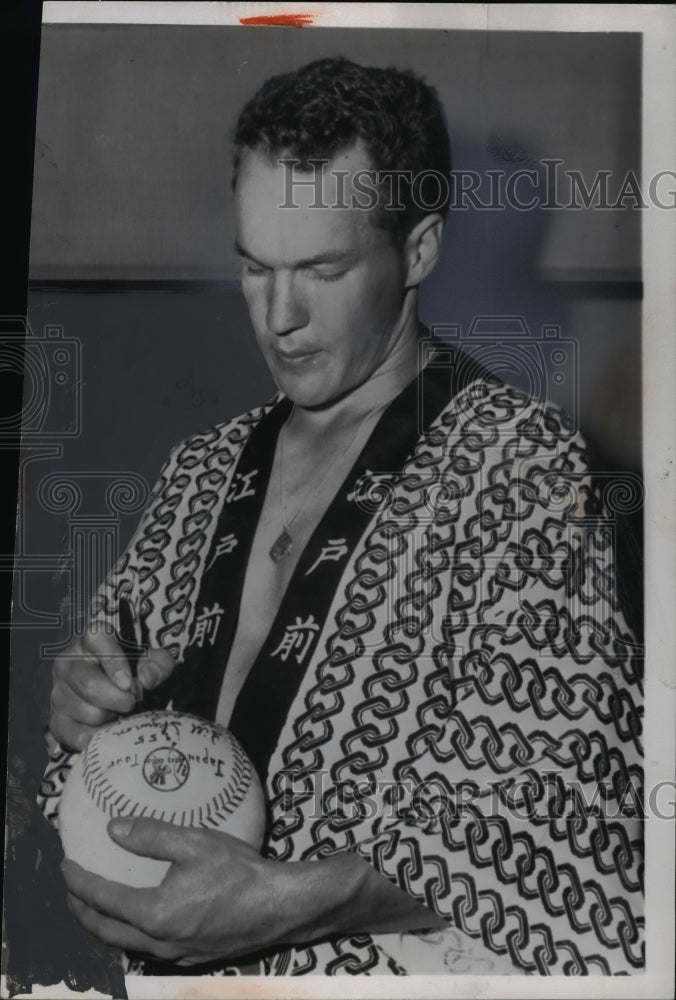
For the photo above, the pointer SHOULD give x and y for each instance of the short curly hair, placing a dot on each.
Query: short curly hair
(327, 105)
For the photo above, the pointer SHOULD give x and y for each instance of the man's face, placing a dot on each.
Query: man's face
(324, 286)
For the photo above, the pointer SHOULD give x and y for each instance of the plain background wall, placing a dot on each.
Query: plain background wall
(132, 179)
(132, 185)
(134, 123)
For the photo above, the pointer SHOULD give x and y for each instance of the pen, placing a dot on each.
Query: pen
(132, 648)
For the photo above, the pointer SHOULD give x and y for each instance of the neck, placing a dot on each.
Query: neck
(396, 371)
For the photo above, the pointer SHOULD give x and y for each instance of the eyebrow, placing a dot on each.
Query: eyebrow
(327, 257)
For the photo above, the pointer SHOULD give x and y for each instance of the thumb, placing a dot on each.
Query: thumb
(155, 667)
(153, 838)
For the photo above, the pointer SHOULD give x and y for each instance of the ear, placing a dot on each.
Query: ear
(422, 248)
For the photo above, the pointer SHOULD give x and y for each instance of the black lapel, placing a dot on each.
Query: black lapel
(273, 682)
(263, 703)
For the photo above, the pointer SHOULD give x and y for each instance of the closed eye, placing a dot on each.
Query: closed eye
(255, 269)
(316, 273)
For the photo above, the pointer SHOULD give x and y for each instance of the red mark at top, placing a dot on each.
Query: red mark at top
(283, 20)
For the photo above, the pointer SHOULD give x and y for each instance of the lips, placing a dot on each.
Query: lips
(298, 355)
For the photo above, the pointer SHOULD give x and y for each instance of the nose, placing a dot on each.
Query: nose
(286, 310)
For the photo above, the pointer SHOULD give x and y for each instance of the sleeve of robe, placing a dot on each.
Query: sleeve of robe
(121, 583)
(173, 524)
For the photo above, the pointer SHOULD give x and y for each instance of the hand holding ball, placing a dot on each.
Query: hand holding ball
(163, 765)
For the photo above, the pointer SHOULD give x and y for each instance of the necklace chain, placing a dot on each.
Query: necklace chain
(283, 544)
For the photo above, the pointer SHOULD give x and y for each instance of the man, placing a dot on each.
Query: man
(380, 586)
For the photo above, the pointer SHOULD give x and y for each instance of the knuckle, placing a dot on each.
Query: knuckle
(199, 840)
(67, 733)
(55, 727)
(84, 736)
(93, 716)
(169, 952)
(89, 686)
(158, 919)
(63, 663)
(64, 732)
(186, 960)
(55, 700)
(81, 736)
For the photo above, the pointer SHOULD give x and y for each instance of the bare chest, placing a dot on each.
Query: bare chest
(266, 580)
(303, 482)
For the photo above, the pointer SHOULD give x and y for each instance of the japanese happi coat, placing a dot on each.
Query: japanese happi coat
(449, 688)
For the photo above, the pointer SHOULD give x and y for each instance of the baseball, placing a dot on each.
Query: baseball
(165, 765)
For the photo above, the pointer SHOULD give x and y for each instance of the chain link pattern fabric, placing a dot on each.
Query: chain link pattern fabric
(470, 718)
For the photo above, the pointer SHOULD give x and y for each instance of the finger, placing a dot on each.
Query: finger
(152, 838)
(117, 932)
(90, 683)
(155, 667)
(112, 899)
(100, 641)
(70, 704)
(72, 735)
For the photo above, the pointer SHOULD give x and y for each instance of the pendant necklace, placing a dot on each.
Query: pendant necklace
(283, 544)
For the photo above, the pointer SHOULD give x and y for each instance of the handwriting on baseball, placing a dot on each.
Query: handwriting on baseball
(168, 730)
(160, 764)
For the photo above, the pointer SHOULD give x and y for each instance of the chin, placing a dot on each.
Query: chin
(307, 400)
(303, 393)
